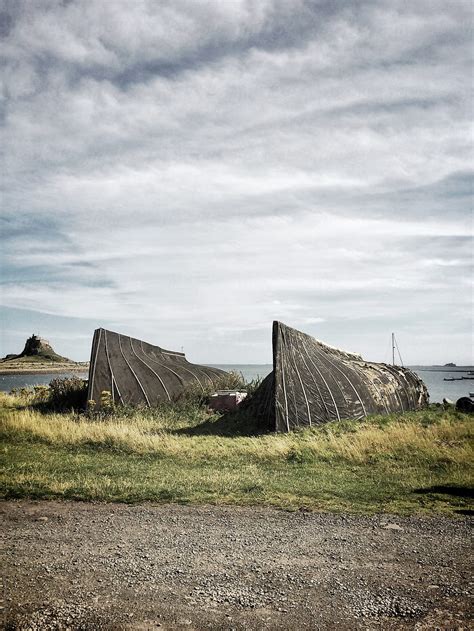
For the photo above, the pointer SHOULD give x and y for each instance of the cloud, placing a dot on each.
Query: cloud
(186, 170)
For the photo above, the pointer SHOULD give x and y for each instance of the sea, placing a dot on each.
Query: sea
(433, 376)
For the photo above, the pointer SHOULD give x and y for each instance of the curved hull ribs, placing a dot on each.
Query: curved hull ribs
(313, 383)
(138, 373)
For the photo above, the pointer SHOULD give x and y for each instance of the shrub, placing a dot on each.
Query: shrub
(68, 393)
(106, 401)
(41, 394)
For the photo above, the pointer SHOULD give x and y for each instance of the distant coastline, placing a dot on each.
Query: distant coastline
(39, 368)
(441, 368)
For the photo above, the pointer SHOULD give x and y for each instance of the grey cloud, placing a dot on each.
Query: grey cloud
(133, 43)
(6, 23)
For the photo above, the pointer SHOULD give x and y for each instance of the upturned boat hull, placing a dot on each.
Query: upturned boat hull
(313, 383)
(137, 373)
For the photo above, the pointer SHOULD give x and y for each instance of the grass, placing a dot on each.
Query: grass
(420, 462)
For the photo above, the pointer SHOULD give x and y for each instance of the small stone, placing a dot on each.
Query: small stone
(392, 527)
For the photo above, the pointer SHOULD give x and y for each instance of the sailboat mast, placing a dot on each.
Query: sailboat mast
(393, 349)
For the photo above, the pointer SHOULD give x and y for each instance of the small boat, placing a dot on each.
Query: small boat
(449, 379)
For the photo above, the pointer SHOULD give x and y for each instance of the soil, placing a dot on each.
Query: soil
(114, 566)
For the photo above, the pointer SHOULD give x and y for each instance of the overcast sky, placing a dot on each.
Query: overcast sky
(188, 171)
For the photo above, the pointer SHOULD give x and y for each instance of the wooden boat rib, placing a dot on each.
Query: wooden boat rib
(313, 383)
(138, 373)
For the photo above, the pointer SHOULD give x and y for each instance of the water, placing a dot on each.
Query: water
(433, 376)
(249, 371)
(8, 382)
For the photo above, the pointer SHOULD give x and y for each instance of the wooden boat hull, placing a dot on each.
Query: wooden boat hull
(137, 373)
(313, 383)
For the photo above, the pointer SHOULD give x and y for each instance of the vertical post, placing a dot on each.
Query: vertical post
(393, 349)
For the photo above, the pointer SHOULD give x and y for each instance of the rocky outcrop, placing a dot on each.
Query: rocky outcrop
(37, 348)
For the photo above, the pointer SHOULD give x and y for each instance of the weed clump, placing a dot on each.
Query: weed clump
(68, 393)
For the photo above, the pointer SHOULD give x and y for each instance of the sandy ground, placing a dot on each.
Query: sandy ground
(110, 566)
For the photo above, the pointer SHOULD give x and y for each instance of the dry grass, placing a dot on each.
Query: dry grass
(449, 439)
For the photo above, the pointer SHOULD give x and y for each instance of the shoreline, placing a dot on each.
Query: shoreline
(40, 370)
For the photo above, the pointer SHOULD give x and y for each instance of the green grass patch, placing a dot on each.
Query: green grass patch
(420, 462)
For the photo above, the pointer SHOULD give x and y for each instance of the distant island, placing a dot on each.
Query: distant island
(450, 365)
(39, 356)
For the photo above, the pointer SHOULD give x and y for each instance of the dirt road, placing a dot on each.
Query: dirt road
(108, 566)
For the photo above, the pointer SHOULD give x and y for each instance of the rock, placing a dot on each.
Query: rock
(392, 527)
(465, 404)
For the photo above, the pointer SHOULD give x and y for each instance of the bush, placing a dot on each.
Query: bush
(67, 393)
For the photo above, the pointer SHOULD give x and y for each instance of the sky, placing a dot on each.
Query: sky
(188, 171)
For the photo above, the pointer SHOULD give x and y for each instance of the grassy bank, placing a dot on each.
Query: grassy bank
(39, 366)
(418, 462)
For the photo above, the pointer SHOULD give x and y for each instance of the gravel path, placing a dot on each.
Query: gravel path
(111, 566)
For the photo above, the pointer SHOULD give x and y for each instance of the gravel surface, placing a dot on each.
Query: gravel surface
(110, 566)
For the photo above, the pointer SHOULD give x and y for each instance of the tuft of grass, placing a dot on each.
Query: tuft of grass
(183, 452)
